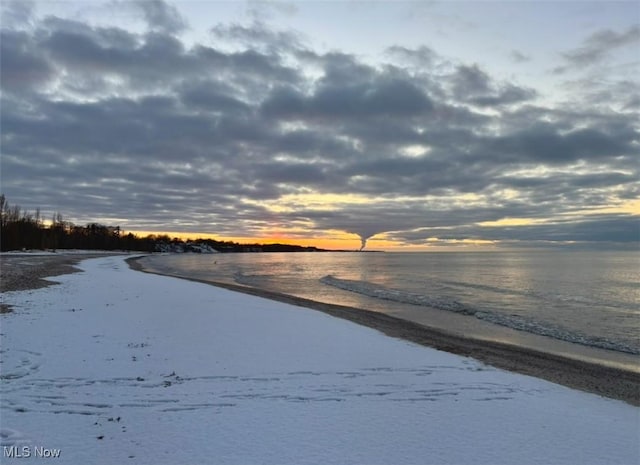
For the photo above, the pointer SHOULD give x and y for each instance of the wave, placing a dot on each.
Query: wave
(443, 303)
(545, 296)
(242, 278)
(384, 293)
(252, 279)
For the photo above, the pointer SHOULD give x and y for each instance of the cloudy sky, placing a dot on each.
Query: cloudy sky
(413, 124)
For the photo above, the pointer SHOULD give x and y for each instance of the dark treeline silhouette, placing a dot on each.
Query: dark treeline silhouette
(21, 229)
(25, 230)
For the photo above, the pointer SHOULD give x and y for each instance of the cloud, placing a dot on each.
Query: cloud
(262, 9)
(473, 85)
(380, 97)
(519, 57)
(258, 36)
(597, 47)
(599, 228)
(22, 64)
(17, 13)
(544, 143)
(212, 96)
(257, 128)
(422, 56)
(160, 16)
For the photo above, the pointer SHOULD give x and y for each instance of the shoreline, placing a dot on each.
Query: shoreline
(611, 382)
(23, 272)
(116, 366)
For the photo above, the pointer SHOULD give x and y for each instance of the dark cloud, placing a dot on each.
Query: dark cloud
(633, 103)
(473, 85)
(213, 96)
(543, 143)
(507, 95)
(149, 131)
(381, 97)
(470, 80)
(22, 64)
(599, 228)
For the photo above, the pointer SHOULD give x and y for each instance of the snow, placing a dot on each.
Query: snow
(114, 366)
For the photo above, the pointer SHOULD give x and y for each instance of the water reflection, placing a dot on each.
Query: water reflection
(588, 293)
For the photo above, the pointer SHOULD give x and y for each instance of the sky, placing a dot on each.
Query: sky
(408, 125)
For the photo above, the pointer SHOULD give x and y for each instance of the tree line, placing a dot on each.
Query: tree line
(21, 229)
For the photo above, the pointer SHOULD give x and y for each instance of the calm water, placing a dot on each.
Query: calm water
(587, 298)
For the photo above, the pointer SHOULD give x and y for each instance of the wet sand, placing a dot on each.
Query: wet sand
(26, 272)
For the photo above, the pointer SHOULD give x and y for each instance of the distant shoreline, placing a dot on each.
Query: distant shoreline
(612, 382)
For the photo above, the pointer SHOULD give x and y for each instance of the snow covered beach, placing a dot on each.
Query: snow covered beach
(116, 366)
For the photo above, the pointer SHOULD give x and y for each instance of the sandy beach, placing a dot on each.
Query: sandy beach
(26, 270)
(19, 272)
(116, 366)
(23, 271)
(607, 381)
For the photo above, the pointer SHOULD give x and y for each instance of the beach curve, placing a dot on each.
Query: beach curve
(608, 381)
